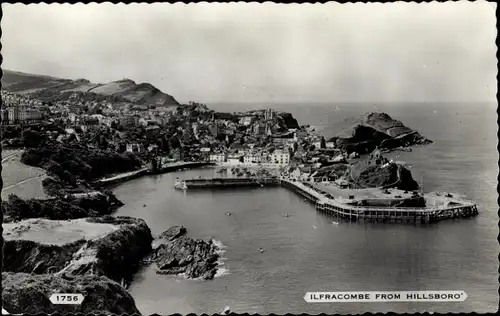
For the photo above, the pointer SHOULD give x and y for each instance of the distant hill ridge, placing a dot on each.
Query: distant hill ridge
(142, 94)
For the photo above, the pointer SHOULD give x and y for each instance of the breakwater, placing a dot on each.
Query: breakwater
(230, 182)
(328, 204)
(127, 176)
(123, 177)
(338, 207)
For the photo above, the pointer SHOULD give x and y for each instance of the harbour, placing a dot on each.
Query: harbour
(440, 207)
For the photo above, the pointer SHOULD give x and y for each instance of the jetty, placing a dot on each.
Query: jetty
(372, 205)
(229, 182)
(170, 167)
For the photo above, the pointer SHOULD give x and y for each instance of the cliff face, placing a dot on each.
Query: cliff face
(25, 293)
(115, 250)
(33, 257)
(376, 129)
(49, 88)
(118, 254)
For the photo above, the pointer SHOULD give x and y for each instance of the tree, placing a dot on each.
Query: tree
(323, 142)
(32, 139)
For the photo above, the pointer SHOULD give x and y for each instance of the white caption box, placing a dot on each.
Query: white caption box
(67, 298)
(397, 296)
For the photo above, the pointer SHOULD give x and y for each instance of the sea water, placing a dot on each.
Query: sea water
(307, 251)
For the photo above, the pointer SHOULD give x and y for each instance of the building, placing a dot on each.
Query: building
(259, 128)
(235, 158)
(330, 144)
(213, 129)
(129, 121)
(21, 114)
(218, 157)
(255, 157)
(246, 120)
(5, 117)
(135, 148)
(281, 157)
(269, 114)
(90, 123)
(73, 117)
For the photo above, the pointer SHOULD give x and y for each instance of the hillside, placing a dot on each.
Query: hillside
(49, 87)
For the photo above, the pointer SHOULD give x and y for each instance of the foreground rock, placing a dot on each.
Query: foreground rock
(113, 247)
(364, 134)
(25, 293)
(195, 258)
(71, 206)
(173, 233)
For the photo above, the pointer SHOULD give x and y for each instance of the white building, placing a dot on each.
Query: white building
(281, 157)
(330, 144)
(255, 157)
(246, 120)
(134, 148)
(235, 158)
(218, 157)
(268, 114)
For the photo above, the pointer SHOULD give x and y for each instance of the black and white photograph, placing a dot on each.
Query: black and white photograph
(261, 158)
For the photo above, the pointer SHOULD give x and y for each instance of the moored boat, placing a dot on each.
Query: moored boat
(180, 185)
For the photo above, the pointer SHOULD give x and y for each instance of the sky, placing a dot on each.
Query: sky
(250, 52)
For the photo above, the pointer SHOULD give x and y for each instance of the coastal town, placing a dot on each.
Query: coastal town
(86, 141)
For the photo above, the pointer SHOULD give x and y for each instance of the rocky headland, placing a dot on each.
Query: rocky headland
(195, 258)
(24, 293)
(363, 134)
(109, 246)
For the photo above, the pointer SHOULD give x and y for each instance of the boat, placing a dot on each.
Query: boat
(180, 185)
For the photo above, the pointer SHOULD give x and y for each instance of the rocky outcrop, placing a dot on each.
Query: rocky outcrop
(288, 119)
(173, 233)
(115, 250)
(29, 294)
(386, 175)
(376, 129)
(195, 258)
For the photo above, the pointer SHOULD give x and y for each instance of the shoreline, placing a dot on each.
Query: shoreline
(131, 175)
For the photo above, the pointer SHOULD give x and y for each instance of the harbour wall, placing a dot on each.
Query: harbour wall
(127, 176)
(342, 210)
(121, 178)
(230, 183)
(329, 205)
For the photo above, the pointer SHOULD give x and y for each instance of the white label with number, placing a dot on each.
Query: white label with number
(67, 298)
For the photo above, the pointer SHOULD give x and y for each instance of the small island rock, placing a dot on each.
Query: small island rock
(173, 233)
